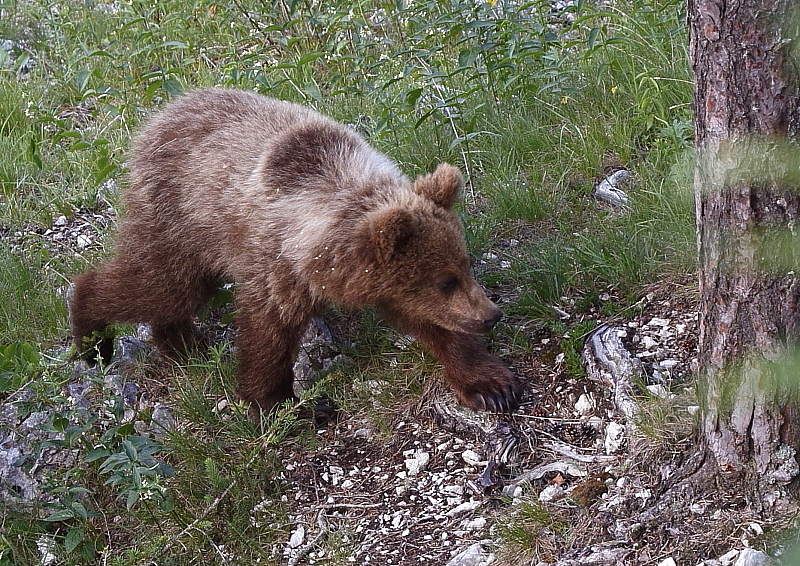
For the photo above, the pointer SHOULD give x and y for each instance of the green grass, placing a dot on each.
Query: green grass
(532, 110)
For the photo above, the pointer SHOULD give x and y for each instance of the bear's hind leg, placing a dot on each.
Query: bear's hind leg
(126, 289)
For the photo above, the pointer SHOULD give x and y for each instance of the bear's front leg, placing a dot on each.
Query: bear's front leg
(478, 378)
(267, 345)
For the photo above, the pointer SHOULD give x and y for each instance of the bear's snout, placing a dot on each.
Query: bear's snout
(494, 317)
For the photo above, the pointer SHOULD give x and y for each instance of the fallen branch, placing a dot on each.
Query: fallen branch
(606, 361)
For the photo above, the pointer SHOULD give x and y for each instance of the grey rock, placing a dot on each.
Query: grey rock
(473, 555)
(751, 557)
(14, 482)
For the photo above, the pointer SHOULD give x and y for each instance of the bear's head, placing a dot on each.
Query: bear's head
(422, 259)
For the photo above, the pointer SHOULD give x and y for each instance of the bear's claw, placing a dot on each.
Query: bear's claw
(501, 399)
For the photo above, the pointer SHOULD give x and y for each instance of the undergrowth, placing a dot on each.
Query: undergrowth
(532, 102)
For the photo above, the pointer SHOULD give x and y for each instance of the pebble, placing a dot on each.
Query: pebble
(298, 536)
(473, 555)
(615, 437)
(470, 457)
(751, 557)
(418, 462)
(476, 524)
(551, 493)
(465, 507)
(585, 404)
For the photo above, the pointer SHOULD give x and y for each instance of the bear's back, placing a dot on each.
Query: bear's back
(218, 172)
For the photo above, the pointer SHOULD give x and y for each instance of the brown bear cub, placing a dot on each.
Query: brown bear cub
(299, 211)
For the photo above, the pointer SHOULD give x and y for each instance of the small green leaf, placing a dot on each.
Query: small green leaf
(81, 80)
(173, 87)
(80, 510)
(174, 44)
(308, 57)
(61, 515)
(133, 497)
(593, 37)
(73, 538)
(313, 92)
(130, 450)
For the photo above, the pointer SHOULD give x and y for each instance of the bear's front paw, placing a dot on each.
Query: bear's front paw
(495, 389)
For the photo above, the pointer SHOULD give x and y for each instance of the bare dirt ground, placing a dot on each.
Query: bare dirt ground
(443, 479)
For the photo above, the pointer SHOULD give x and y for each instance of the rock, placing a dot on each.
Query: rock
(585, 404)
(668, 562)
(473, 555)
(162, 420)
(648, 343)
(315, 354)
(476, 524)
(659, 391)
(471, 457)
(751, 557)
(615, 437)
(551, 493)
(15, 483)
(418, 462)
(465, 507)
(297, 537)
(728, 558)
(608, 190)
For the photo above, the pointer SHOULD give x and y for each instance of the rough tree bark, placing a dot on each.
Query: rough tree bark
(747, 193)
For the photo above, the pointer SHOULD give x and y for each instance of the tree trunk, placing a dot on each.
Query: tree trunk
(747, 193)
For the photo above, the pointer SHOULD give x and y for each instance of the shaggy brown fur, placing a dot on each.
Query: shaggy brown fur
(300, 212)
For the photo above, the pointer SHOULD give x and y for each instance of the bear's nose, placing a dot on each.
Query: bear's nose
(490, 322)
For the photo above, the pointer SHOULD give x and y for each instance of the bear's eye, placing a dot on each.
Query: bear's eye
(448, 286)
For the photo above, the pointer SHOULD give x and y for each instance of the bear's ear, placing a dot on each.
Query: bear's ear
(442, 186)
(391, 231)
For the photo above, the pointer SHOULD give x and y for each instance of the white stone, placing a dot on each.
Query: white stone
(668, 562)
(751, 557)
(473, 555)
(668, 364)
(615, 437)
(659, 391)
(83, 241)
(728, 558)
(585, 404)
(465, 507)
(693, 409)
(648, 343)
(476, 524)
(60, 221)
(418, 462)
(662, 322)
(551, 493)
(470, 457)
(298, 536)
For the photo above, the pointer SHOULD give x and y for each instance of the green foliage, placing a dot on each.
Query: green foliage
(532, 531)
(18, 360)
(572, 346)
